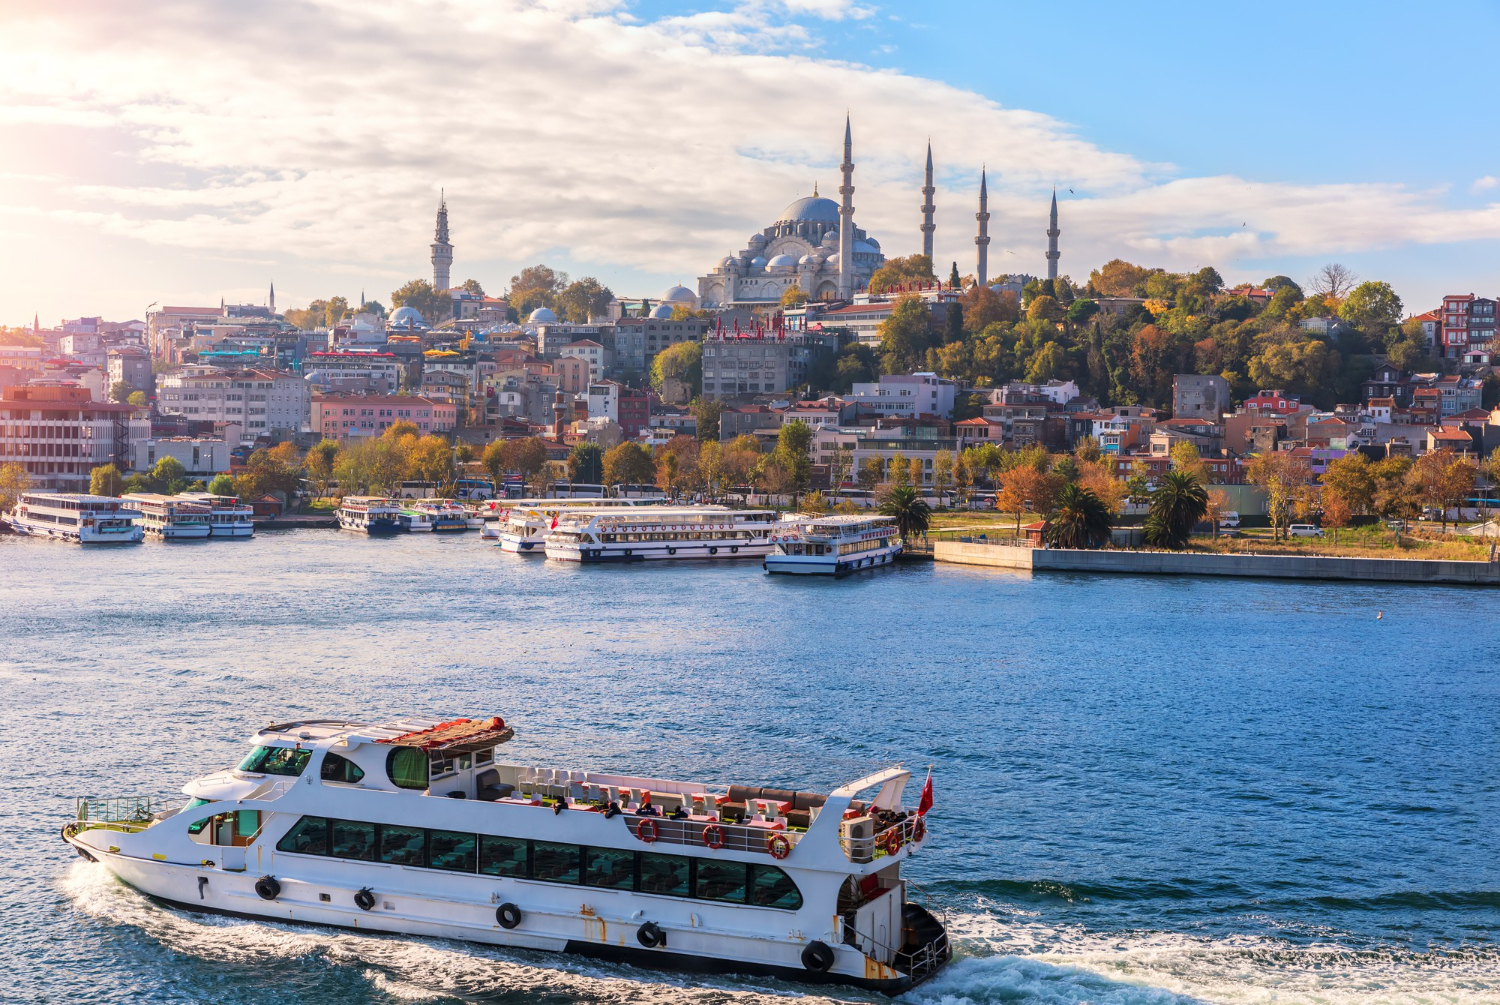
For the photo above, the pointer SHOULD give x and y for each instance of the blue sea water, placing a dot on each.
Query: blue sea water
(1149, 790)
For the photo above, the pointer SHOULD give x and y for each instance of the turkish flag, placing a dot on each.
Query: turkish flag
(925, 803)
(554, 527)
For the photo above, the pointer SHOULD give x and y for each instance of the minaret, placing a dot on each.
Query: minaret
(982, 242)
(271, 303)
(442, 251)
(1052, 253)
(927, 207)
(846, 219)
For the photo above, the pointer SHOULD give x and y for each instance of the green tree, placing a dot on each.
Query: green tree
(911, 511)
(871, 473)
(105, 480)
(138, 399)
(419, 295)
(335, 311)
(954, 280)
(535, 286)
(794, 451)
(169, 476)
(1372, 307)
(119, 391)
(1080, 311)
(320, 462)
(629, 464)
(904, 336)
(953, 324)
(472, 286)
(1178, 503)
(527, 457)
(1044, 308)
(583, 300)
(684, 362)
(222, 485)
(586, 464)
(1080, 520)
(708, 411)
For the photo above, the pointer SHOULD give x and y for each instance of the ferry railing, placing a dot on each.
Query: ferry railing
(886, 840)
(123, 813)
(735, 837)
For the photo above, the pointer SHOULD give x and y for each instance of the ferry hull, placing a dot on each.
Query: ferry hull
(647, 552)
(817, 565)
(375, 528)
(232, 530)
(516, 546)
(128, 535)
(198, 533)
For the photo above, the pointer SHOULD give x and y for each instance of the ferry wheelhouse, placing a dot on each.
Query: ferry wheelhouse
(228, 516)
(835, 545)
(662, 532)
(443, 515)
(418, 827)
(525, 523)
(370, 515)
(171, 518)
(72, 516)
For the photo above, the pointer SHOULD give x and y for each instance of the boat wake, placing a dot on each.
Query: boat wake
(1004, 957)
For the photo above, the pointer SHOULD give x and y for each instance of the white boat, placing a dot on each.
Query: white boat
(229, 516)
(370, 515)
(662, 532)
(172, 518)
(834, 545)
(414, 520)
(525, 523)
(72, 516)
(416, 827)
(442, 514)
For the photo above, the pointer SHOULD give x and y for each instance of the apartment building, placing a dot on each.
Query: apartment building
(60, 434)
(265, 402)
(344, 416)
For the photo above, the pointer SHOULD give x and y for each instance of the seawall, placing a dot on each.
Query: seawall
(1169, 563)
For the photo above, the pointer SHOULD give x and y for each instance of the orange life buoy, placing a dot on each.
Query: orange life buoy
(919, 830)
(893, 840)
(647, 830)
(713, 836)
(778, 846)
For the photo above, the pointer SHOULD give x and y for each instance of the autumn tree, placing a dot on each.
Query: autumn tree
(1332, 280)
(1185, 457)
(793, 296)
(1118, 278)
(582, 300)
(419, 295)
(682, 362)
(899, 272)
(871, 473)
(629, 464)
(1352, 480)
(1283, 477)
(535, 286)
(320, 463)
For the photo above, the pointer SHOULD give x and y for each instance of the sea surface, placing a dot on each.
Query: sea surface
(1148, 790)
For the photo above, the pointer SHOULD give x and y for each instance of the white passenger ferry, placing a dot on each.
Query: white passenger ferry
(835, 545)
(442, 515)
(416, 827)
(229, 516)
(172, 518)
(662, 532)
(74, 517)
(525, 523)
(414, 520)
(370, 515)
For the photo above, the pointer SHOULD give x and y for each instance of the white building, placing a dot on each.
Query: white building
(201, 458)
(597, 356)
(907, 395)
(264, 401)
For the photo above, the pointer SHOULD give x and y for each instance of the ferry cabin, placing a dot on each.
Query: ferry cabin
(172, 518)
(525, 523)
(835, 546)
(443, 515)
(417, 827)
(370, 515)
(662, 533)
(228, 517)
(87, 519)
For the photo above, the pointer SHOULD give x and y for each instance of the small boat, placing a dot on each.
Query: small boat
(72, 516)
(418, 827)
(370, 515)
(442, 514)
(229, 516)
(834, 545)
(662, 532)
(172, 518)
(414, 520)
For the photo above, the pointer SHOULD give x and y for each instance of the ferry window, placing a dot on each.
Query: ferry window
(610, 868)
(402, 845)
(247, 823)
(556, 863)
(770, 887)
(276, 761)
(451, 850)
(407, 768)
(340, 769)
(720, 881)
(308, 837)
(502, 856)
(197, 827)
(353, 840)
(665, 874)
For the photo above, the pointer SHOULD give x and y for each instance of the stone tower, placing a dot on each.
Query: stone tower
(1052, 253)
(271, 302)
(846, 219)
(560, 409)
(927, 207)
(982, 242)
(442, 251)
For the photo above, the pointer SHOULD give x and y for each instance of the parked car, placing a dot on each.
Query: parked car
(1304, 530)
(1229, 521)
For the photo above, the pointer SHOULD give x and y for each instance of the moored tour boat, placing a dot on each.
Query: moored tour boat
(414, 520)
(417, 827)
(171, 518)
(72, 516)
(370, 515)
(525, 523)
(835, 545)
(229, 516)
(662, 532)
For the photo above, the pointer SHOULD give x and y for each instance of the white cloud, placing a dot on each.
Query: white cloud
(322, 132)
(1489, 181)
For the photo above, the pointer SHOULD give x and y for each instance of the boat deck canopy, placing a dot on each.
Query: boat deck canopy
(458, 736)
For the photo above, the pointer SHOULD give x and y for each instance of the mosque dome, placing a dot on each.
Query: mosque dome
(812, 209)
(866, 248)
(730, 263)
(541, 315)
(810, 260)
(758, 262)
(831, 239)
(781, 261)
(757, 240)
(407, 317)
(680, 295)
(872, 242)
(661, 311)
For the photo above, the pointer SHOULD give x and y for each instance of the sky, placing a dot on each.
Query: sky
(179, 153)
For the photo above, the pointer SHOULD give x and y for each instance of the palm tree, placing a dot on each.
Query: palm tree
(910, 510)
(1178, 503)
(1081, 519)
